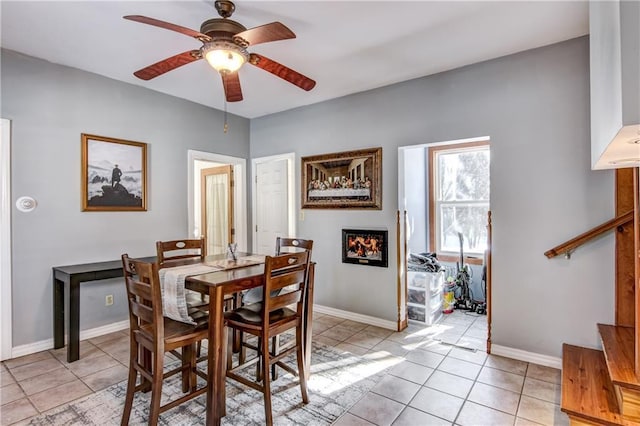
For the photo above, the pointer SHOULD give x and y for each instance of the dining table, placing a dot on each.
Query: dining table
(231, 276)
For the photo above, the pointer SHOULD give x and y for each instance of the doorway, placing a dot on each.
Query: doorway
(431, 208)
(5, 239)
(199, 160)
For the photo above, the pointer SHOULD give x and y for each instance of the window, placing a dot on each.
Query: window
(459, 198)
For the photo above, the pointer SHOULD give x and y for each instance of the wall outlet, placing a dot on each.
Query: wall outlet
(108, 300)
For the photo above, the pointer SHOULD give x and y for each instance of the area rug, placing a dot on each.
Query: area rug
(338, 380)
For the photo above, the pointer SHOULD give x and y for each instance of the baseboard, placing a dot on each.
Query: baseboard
(391, 325)
(44, 345)
(519, 354)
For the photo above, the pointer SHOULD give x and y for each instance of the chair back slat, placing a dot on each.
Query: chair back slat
(168, 251)
(293, 245)
(285, 262)
(286, 270)
(285, 299)
(143, 313)
(286, 279)
(141, 290)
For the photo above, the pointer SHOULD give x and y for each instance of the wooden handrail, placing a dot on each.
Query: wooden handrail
(572, 244)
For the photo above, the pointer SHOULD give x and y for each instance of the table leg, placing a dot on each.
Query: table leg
(58, 313)
(308, 320)
(216, 367)
(73, 347)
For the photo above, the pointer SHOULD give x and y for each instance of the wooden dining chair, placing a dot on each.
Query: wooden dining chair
(151, 336)
(283, 245)
(274, 317)
(168, 251)
(171, 253)
(175, 252)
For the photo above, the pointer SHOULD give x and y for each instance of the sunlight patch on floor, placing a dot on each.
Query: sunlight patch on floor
(349, 371)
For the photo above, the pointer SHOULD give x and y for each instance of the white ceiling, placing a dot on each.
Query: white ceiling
(347, 47)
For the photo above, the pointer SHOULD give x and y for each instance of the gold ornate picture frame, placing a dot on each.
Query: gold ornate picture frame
(343, 180)
(114, 174)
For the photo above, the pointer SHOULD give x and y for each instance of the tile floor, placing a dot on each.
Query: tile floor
(441, 376)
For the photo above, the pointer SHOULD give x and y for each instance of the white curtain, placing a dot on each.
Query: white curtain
(217, 199)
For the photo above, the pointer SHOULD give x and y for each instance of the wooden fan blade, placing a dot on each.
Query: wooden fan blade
(281, 71)
(168, 64)
(169, 26)
(232, 89)
(265, 33)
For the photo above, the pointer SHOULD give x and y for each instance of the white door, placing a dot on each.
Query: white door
(5, 240)
(273, 202)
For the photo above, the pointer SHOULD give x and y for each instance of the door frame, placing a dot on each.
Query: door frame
(239, 194)
(5, 240)
(405, 230)
(291, 191)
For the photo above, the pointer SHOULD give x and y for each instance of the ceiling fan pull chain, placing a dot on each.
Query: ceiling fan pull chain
(226, 126)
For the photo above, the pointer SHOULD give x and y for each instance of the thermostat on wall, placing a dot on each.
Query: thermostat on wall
(26, 204)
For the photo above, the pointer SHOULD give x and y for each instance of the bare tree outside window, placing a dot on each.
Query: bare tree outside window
(461, 198)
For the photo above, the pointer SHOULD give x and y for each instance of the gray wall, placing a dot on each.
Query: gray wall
(50, 106)
(535, 108)
(415, 200)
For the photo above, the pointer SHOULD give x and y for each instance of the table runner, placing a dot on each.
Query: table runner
(174, 303)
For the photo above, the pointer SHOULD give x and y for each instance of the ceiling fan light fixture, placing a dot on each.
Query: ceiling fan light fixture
(225, 56)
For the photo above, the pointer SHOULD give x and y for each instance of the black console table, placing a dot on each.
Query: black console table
(72, 276)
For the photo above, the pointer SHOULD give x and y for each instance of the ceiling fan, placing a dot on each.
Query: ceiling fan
(225, 44)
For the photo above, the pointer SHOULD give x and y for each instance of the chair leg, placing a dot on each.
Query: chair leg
(302, 373)
(192, 361)
(237, 340)
(229, 350)
(266, 384)
(260, 359)
(186, 369)
(275, 344)
(131, 387)
(225, 338)
(156, 388)
(241, 349)
(145, 360)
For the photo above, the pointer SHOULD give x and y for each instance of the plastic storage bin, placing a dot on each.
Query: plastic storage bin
(424, 296)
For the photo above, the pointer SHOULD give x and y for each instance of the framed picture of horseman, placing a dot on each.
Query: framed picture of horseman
(114, 174)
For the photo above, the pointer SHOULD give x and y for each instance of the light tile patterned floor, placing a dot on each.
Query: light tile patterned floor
(444, 377)
(432, 382)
